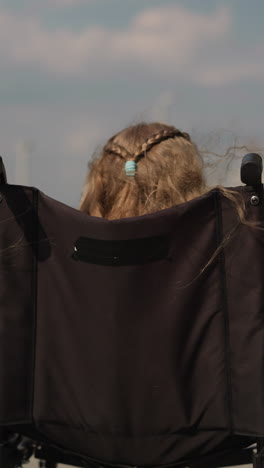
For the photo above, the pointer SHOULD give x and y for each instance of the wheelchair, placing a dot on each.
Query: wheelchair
(136, 342)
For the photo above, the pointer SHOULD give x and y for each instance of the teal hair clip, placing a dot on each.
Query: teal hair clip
(130, 168)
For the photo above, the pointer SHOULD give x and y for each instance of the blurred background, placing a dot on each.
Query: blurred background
(73, 72)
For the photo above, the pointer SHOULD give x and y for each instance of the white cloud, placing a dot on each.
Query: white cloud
(157, 37)
(170, 35)
(24, 41)
(168, 41)
(221, 75)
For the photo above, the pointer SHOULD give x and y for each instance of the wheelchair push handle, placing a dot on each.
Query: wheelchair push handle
(251, 169)
(3, 179)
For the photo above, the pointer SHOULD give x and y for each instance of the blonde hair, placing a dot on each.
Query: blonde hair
(169, 171)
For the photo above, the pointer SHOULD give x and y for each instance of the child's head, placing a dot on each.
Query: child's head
(168, 171)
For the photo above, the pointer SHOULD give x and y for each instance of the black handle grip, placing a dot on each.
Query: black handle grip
(3, 179)
(251, 169)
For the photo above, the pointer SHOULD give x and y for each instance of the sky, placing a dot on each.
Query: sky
(74, 72)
